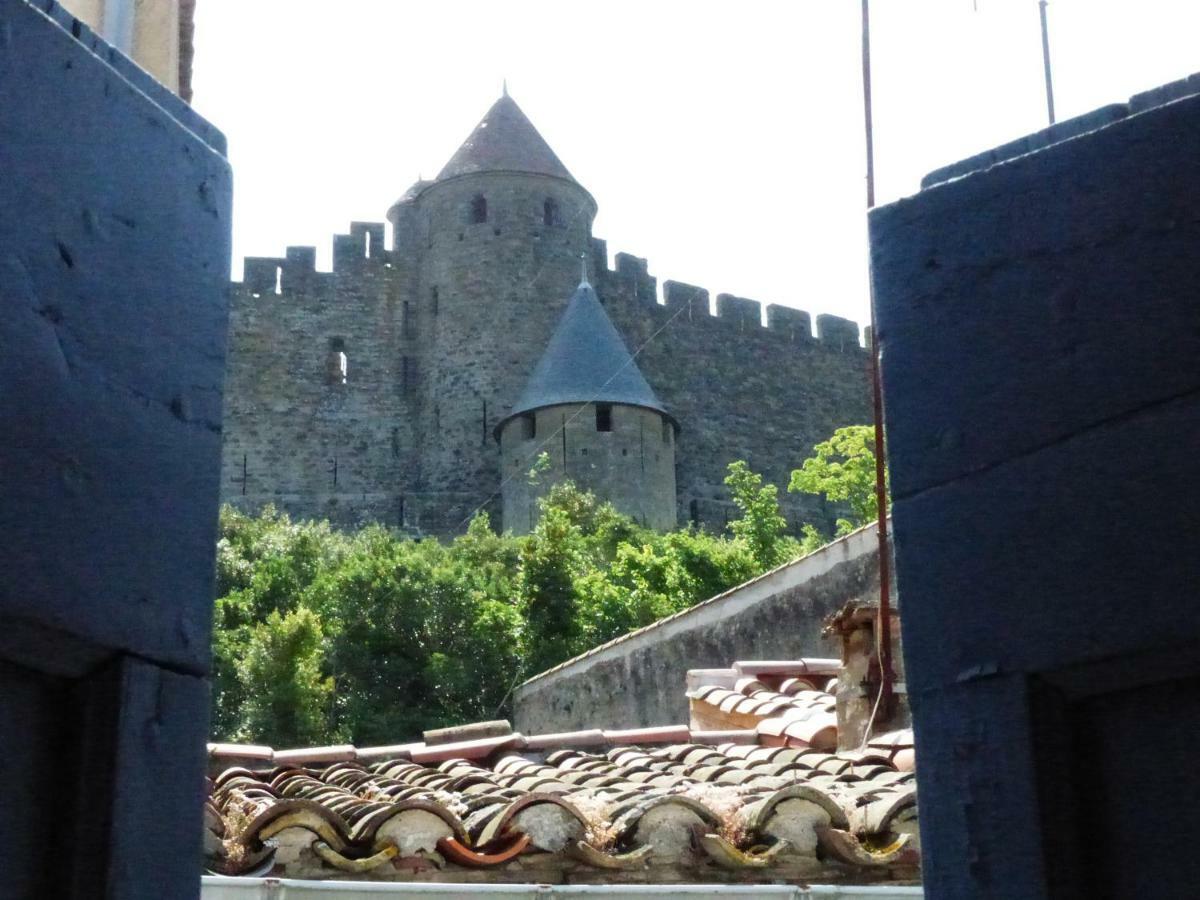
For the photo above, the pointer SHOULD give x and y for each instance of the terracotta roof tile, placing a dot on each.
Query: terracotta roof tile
(905, 760)
(900, 738)
(787, 668)
(479, 748)
(390, 751)
(661, 734)
(310, 755)
(675, 803)
(736, 736)
(239, 751)
(349, 817)
(591, 738)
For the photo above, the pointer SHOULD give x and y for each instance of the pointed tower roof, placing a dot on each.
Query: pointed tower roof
(585, 361)
(505, 141)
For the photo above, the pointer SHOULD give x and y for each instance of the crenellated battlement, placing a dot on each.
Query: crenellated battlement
(632, 280)
(360, 250)
(695, 299)
(795, 323)
(740, 310)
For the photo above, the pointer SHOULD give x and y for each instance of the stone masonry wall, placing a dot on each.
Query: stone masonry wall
(632, 466)
(639, 680)
(440, 334)
(739, 390)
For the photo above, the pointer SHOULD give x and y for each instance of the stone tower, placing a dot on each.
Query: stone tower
(588, 408)
(390, 389)
(493, 240)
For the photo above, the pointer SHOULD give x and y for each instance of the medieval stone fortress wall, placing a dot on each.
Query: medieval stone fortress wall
(374, 392)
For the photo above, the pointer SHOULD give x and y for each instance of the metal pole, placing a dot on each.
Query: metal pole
(884, 629)
(1046, 61)
(866, 70)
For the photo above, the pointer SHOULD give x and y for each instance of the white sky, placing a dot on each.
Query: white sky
(722, 140)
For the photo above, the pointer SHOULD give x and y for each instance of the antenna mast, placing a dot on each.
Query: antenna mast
(1046, 61)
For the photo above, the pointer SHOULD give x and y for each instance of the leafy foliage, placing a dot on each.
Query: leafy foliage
(843, 469)
(373, 637)
(761, 525)
(287, 651)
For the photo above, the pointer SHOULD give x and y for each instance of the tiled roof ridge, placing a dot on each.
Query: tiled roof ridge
(755, 783)
(768, 811)
(695, 609)
(419, 751)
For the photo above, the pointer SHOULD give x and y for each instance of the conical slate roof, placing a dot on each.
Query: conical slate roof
(585, 361)
(505, 141)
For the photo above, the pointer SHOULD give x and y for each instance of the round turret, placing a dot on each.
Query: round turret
(492, 238)
(587, 414)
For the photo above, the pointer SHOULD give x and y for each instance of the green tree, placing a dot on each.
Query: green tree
(287, 699)
(843, 469)
(761, 525)
(370, 636)
(551, 559)
(416, 642)
(264, 564)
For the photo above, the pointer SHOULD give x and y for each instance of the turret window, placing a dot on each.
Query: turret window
(550, 214)
(667, 429)
(528, 426)
(604, 417)
(478, 209)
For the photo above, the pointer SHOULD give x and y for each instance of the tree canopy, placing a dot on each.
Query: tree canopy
(373, 637)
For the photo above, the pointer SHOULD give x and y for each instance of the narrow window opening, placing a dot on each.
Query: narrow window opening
(367, 244)
(433, 300)
(604, 417)
(583, 451)
(667, 429)
(336, 365)
(245, 473)
(528, 426)
(478, 209)
(279, 279)
(550, 215)
(407, 325)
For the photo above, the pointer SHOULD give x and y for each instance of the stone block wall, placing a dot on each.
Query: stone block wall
(639, 679)
(631, 466)
(440, 334)
(739, 390)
